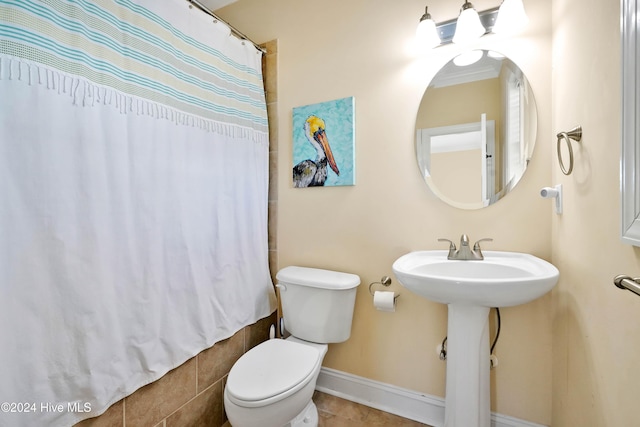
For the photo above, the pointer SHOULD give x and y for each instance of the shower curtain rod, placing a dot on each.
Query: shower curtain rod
(233, 29)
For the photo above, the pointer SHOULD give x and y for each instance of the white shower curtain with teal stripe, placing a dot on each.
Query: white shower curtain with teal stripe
(133, 199)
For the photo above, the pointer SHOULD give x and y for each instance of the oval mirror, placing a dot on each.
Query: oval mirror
(476, 129)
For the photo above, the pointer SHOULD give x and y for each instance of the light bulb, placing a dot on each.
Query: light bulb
(426, 33)
(511, 19)
(468, 26)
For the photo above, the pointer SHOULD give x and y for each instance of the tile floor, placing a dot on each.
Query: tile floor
(336, 412)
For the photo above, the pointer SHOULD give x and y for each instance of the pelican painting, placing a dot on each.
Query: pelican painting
(323, 144)
(313, 173)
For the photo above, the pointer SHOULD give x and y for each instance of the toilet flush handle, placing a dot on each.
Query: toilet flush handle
(282, 288)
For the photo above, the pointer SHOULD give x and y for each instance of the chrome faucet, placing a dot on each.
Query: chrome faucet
(465, 253)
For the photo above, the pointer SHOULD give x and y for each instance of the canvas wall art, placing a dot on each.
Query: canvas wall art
(324, 144)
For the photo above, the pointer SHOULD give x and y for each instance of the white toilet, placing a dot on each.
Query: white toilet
(272, 384)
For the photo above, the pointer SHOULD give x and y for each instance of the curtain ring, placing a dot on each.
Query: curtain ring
(576, 135)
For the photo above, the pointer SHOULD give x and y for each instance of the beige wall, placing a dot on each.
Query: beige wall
(333, 49)
(596, 326)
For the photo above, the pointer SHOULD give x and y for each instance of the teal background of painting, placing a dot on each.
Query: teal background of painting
(338, 116)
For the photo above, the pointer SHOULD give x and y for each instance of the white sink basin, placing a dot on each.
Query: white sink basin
(470, 288)
(502, 279)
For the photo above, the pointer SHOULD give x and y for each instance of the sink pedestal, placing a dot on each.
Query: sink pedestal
(469, 288)
(467, 401)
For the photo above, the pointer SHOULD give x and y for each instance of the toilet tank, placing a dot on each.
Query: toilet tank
(317, 305)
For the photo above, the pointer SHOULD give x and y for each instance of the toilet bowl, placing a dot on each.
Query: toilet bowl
(272, 384)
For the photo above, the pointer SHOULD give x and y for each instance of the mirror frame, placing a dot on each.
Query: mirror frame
(630, 150)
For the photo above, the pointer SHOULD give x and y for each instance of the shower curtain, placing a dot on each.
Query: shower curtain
(133, 199)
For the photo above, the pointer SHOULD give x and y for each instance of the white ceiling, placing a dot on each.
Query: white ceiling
(214, 5)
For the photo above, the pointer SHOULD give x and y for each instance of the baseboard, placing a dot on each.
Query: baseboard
(406, 403)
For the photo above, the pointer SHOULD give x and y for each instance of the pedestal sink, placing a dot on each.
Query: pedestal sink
(470, 289)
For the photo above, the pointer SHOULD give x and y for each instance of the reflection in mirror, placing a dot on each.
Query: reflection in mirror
(475, 129)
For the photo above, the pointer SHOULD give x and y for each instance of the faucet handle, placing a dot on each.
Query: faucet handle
(452, 245)
(476, 245)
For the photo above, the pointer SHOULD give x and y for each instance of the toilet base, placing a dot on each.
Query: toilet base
(307, 418)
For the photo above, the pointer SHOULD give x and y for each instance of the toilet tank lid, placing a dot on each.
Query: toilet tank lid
(318, 278)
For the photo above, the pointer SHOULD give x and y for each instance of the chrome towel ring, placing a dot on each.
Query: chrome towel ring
(576, 135)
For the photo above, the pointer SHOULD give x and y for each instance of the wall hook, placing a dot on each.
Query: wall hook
(576, 135)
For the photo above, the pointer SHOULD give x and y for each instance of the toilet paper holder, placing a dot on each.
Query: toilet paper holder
(384, 281)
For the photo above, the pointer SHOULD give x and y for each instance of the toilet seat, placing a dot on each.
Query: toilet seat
(271, 372)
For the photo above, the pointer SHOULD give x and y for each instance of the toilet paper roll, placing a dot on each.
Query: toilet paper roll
(384, 301)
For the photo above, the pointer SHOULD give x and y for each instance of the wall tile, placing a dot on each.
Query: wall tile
(270, 70)
(150, 404)
(273, 222)
(216, 362)
(271, 46)
(273, 264)
(272, 117)
(259, 331)
(273, 180)
(205, 410)
(112, 417)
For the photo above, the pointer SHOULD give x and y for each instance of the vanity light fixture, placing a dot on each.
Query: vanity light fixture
(508, 18)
